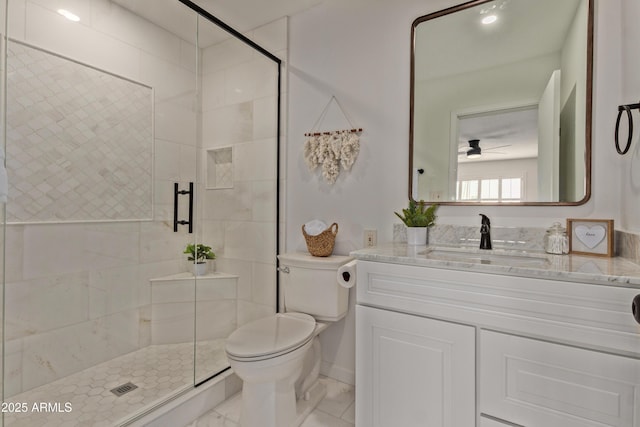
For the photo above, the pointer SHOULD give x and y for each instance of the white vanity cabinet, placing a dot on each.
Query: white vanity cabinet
(489, 422)
(443, 347)
(414, 371)
(536, 383)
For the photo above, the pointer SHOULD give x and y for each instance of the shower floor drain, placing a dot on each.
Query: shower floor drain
(124, 389)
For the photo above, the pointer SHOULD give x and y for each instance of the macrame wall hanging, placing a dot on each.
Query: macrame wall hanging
(332, 149)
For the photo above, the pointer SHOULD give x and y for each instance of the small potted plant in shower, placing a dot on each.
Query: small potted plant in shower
(418, 218)
(199, 254)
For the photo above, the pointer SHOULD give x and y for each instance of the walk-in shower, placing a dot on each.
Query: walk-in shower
(103, 117)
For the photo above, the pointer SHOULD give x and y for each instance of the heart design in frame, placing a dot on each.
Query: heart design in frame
(590, 236)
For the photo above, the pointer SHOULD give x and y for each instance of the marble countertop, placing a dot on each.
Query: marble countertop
(586, 269)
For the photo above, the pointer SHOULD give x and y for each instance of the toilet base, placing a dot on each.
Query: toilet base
(269, 399)
(270, 404)
(308, 403)
(303, 407)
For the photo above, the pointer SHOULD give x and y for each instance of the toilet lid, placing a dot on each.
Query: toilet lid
(271, 335)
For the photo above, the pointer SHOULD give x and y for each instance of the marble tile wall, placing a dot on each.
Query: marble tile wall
(3, 14)
(79, 295)
(63, 118)
(239, 110)
(627, 244)
(175, 302)
(79, 292)
(517, 238)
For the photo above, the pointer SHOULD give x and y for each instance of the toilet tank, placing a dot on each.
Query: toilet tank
(311, 285)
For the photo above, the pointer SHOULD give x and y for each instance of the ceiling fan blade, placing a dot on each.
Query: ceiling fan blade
(501, 134)
(495, 148)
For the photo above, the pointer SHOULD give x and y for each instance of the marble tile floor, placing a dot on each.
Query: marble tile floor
(85, 399)
(337, 409)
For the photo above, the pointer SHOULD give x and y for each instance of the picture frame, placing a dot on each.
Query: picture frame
(591, 236)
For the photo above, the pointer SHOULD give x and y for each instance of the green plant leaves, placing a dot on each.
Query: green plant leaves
(418, 214)
(199, 252)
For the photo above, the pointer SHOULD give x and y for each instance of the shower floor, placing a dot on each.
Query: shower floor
(85, 399)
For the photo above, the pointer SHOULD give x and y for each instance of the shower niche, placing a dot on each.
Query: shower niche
(219, 168)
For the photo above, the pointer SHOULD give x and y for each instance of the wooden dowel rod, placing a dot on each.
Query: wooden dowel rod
(336, 131)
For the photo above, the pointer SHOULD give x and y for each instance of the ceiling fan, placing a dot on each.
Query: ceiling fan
(474, 150)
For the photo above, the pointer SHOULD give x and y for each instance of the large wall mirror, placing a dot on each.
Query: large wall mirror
(501, 103)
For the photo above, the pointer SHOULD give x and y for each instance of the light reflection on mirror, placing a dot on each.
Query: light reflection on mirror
(517, 87)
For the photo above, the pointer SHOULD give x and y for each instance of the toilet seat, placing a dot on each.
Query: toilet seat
(270, 337)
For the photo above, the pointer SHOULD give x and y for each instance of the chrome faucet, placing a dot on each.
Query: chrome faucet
(485, 233)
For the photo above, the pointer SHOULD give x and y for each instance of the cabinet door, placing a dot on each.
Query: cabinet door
(413, 371)
(535, 383)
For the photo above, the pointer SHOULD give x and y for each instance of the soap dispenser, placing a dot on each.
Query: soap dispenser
(556, 240)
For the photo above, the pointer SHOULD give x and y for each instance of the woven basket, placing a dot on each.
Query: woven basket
(321, 244)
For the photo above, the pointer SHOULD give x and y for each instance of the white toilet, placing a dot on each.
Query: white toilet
(278, 357)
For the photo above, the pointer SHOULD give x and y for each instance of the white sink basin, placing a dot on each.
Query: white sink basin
(491, 256)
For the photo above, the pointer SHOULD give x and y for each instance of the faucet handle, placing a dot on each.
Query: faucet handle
(485, 232)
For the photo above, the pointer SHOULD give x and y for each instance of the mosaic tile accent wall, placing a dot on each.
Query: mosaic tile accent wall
(79, 141)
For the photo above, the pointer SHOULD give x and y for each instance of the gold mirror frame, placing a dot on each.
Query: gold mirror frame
(588, 115)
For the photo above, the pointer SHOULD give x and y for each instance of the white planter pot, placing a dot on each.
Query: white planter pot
(200, 268)
(417, 235)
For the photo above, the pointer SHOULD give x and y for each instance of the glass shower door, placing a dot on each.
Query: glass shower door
(105, 115)
(237, 203)
(101, 122)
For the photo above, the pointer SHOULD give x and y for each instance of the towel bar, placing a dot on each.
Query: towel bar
(627, 109)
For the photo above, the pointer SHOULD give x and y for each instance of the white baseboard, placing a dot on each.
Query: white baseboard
(339, 373)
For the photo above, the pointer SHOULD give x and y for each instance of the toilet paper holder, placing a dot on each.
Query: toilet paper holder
(347, 274)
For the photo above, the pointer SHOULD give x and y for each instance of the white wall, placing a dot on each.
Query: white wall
(359, 52)
(630, 94)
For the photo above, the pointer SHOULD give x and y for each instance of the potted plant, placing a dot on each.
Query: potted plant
(199, 254)
(418, 218)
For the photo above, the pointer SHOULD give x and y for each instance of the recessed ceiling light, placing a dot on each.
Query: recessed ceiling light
(489, 19)
(70, 16)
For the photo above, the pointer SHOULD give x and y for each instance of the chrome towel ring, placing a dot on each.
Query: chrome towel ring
(627, 109)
